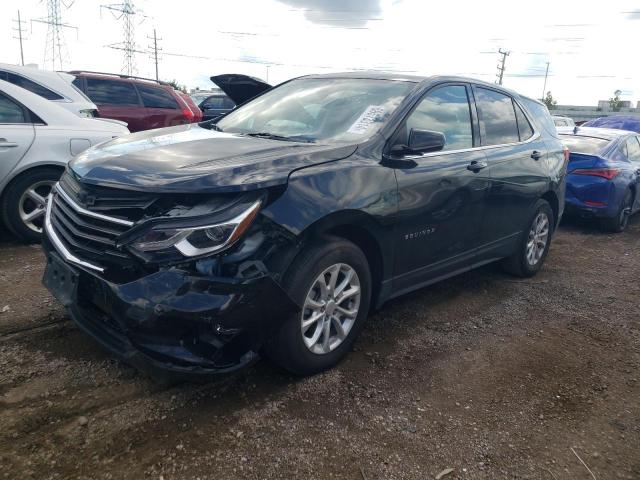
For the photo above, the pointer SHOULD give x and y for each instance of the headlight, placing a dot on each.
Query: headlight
(200, 240)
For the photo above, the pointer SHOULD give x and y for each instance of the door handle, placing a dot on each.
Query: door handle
(4, 143)
(536, 155)
(477, 165)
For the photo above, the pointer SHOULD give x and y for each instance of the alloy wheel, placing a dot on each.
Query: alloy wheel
(330, 308)
(33, 204)
(538, 238)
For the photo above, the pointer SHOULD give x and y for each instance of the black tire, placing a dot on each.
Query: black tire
(11, 201)
(518, 264)
(287, 348)
(620, 222)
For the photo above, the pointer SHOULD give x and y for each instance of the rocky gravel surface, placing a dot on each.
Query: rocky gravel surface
(483, 376)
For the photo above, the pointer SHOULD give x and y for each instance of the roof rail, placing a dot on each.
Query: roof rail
(119, 75)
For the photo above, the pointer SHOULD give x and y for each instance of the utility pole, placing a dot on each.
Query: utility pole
(544, 88)
(154, 51)
(18, 28)
(501, 66)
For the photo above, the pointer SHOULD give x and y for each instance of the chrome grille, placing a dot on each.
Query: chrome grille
(86, 234)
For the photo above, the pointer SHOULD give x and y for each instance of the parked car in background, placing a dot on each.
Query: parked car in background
(215, 106)
(140, 102)
(197, 113)
(562, 121)
(37, 139)
(621, 122)
(603, 174)
(277, 228)
(55, 86)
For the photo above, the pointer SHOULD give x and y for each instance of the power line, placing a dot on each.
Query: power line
(55, 45)
(18, 28)
(501, 65)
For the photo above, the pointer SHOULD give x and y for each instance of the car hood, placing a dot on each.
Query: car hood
(240, 88)
(189, 158)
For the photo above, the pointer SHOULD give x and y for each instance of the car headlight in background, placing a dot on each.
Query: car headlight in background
(199, 240)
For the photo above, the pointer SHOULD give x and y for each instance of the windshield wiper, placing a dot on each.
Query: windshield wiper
(273, 136)
(210, 125)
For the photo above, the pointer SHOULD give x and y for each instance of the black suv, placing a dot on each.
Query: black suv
(278, 227)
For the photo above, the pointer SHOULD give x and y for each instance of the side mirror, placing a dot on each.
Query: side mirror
(424, 141)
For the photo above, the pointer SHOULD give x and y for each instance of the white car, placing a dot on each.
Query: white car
(54, 86)
(37, 140)
(561, 121)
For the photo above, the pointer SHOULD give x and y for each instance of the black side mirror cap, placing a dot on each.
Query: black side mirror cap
(425, 141)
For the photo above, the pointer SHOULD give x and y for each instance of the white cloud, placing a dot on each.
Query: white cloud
(590, 47)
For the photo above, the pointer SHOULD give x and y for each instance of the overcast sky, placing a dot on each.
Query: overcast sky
(591, 47)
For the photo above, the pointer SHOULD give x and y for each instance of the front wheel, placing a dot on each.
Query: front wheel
(331, 282)
(25, 202)
(534, 244)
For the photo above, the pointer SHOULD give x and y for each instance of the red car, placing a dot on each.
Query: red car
(197, 113)
(141, 102)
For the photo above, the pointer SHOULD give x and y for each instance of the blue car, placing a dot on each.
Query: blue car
(603, 175)
(619, 122)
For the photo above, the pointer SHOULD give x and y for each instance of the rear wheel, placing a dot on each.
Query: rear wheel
(25, 201)
(534, 244)
(620, 222)
(331, 282)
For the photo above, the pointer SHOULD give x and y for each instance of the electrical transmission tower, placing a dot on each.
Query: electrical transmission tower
(20, 37)
(56, 46)
(501, 66)
(126, 12)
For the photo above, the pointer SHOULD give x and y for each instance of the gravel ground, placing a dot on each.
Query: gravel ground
(488, 375)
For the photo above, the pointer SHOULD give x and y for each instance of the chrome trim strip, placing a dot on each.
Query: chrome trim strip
(59, 246)
(89, 213)
(535, 136)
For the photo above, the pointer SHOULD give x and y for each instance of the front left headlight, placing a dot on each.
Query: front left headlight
(199, 240)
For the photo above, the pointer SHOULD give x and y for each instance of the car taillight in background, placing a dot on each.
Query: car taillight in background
(608, 173)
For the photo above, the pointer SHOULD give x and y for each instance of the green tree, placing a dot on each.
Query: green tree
(174, 83)
(549, 101)
(615, 103)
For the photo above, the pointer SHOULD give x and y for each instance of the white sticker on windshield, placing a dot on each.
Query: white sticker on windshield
(372, 114)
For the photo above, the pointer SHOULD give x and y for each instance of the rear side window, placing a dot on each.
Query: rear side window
(214, 102)
(33, 87)
(633, 149)
(524, 127)
(10, 111)
(111, 92)
(228, 103)
(540, 116)
(445, 110)
(156, 97)
(498, 123)
(586, 145)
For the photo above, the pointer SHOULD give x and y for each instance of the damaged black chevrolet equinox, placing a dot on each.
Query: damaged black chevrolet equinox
(278, 227)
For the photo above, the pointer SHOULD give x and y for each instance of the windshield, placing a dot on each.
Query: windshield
(326, 109)
(586, 145)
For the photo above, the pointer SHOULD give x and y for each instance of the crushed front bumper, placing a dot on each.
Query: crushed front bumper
(172, 322)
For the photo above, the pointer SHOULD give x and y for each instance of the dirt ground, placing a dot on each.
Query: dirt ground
(485, 374)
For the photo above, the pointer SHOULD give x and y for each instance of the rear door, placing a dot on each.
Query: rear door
(16, 134)
(441, 196)
(516, 158)
(117, 99)
(161, 107)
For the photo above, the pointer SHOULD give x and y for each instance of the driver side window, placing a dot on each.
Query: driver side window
(445, 110)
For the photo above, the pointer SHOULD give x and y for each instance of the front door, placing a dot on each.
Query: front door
(441, 194)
